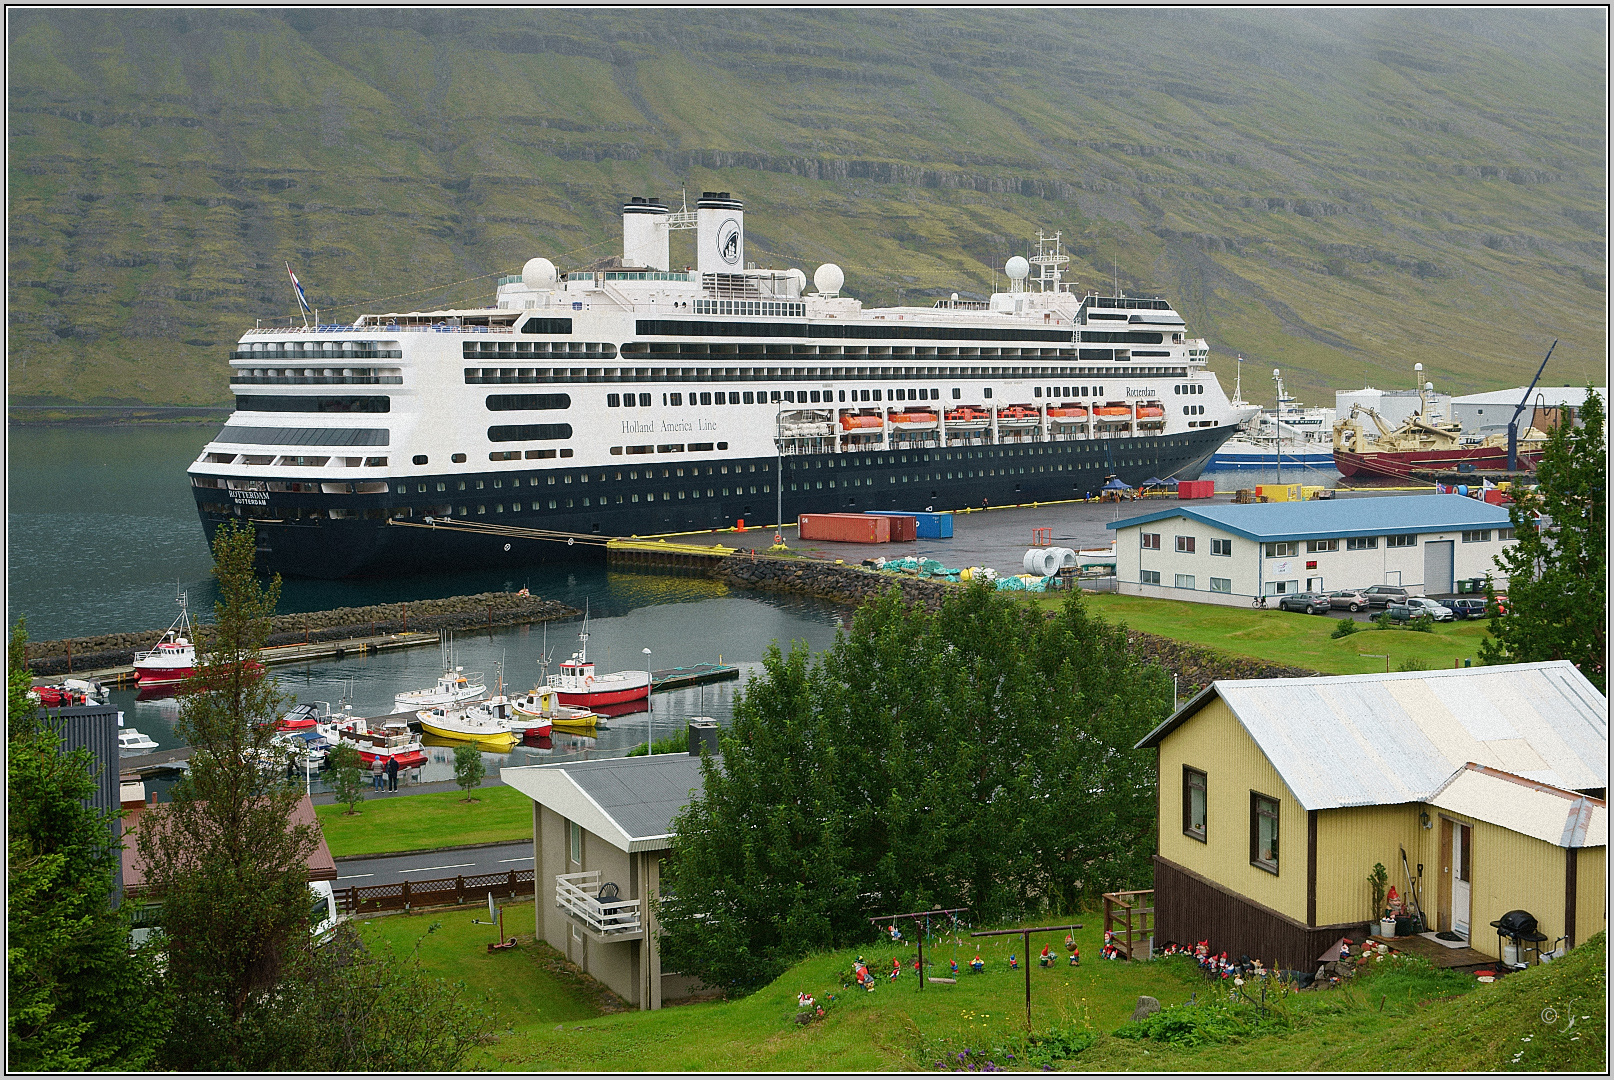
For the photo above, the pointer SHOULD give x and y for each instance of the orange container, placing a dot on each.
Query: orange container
(844, 528)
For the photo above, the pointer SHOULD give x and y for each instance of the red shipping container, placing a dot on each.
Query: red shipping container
(1497, 498)
(903, 527)
(844, 528)
(1196, 489)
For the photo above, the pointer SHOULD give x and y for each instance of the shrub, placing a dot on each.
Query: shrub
(1413, 663)
(1346, 628)
(1191, 1025)
(1382, 621)
(469, 768)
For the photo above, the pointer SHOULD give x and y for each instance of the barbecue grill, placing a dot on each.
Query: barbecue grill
(1519, 926)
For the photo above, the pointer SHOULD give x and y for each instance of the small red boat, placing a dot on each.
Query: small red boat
(577, 684)
(173, 659)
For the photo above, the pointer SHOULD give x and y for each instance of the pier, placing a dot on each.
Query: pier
(124, 674)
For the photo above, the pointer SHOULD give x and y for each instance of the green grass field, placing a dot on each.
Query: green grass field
(1285, 637)
(1395, 1017)
(417, 822)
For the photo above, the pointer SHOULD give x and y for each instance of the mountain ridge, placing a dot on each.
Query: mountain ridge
(1337, 194)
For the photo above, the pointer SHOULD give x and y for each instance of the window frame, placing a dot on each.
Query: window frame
(1226, 583)
(1202, 834)
(1225, 543)
(1313, 547)
(574, 841)
(1149, 541)
(1191, 579)
(1282, 549)
(1185, 545)
(1257, 814)
(1144, 578)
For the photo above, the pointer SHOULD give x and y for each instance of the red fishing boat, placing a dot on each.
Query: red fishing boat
(172, 659)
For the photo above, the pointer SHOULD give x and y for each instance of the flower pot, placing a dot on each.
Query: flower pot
(1387, 928)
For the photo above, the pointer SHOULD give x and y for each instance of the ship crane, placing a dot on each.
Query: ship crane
(1513, 424)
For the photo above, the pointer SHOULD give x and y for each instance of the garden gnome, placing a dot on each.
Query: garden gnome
(1014, 965)
(977, 965)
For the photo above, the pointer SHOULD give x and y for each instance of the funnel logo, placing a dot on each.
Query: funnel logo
(728, 241)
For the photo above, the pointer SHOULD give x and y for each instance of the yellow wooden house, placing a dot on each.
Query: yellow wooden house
(1481, 791)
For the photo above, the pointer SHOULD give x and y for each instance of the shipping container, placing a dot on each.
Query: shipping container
(903, 526)
(929, 526)
(1196, 489)
(1279, 492)
(845, 528)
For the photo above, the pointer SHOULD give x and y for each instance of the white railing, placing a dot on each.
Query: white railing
(577, 895)
(377, 328)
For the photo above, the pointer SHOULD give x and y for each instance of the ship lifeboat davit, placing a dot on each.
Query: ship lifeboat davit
(1067, 414)
(1018, 416)
(1112, 411)
(912, 420)
(1145, 411)
(968, 418)
(856, 423)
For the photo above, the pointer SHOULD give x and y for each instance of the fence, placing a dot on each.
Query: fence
(1131, 924)
(407, 895)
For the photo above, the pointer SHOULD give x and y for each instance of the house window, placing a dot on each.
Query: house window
(1149, 577)
(1285, 550)
(1405, 540)
(1193, 803)
(1220, 546)
(1185, 581)
(1151, 541)
(1362, 543)
(577, 842)
(1314, 546)
(1264, 832)
(1185, 544)
(1221, 584)
(1504, 534)
(1481, 536)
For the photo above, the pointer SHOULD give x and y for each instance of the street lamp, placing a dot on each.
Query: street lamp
(650, 705)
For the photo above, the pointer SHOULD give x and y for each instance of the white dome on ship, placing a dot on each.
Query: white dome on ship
(799, 277)
(828, 279)
(539, 274)
(1017, 268)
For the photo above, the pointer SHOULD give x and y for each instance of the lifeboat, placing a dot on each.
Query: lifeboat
(1067, 414)
(913, 420)
(1150, 411)
(1112, 410)
(968, 418)
(1018, 416)
(853, 423)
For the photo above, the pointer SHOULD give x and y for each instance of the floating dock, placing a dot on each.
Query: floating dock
(694, 675)
(124, 674)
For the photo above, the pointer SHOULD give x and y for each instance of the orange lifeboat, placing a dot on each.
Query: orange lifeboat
(1150, 410)
(1112, 410)
(974, 417)
(1067, 414)
(1018, 416)
(913, 419)
(853, 423)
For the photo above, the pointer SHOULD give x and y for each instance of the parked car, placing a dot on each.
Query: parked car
(1467, 607)
(1422, 605)
(1380, 595)
(1502, 602)
(1400, 612)
(1310, 602)
(1349, 599)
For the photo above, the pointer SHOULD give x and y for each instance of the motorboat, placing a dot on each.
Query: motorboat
(453, 688)
(131, 741)
(459, 725)
(390, 739)
(577, 683)
(173, 658)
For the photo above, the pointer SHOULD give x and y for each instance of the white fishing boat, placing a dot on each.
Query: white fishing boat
(131, 741)
(173, 658)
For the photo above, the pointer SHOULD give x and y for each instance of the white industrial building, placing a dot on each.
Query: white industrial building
(1488, 414)
(1395, 407)
(1231, 553)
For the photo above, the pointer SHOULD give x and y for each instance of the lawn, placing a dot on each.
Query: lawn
(1397, 1017)
(1284, 637)
(433, 820)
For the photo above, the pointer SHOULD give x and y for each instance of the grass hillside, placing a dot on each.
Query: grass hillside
(1340, 193)
(1400, 1016)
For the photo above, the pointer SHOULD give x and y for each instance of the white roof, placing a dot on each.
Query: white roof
(628, 802)
(1380, 740)
(1549, 395)
(1565, 818)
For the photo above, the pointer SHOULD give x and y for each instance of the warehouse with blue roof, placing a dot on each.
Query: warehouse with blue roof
(1231, 553)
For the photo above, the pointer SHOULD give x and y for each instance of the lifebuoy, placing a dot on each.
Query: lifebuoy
(588, 680)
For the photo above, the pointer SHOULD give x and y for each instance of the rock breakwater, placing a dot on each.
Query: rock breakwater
(482, 611)
(834, 581)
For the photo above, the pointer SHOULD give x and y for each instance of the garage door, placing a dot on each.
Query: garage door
(1437, 556)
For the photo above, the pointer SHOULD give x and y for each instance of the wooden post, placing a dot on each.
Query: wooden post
(921, 959)
(1027, 952)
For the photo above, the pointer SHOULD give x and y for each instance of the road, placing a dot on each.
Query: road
(429, 865)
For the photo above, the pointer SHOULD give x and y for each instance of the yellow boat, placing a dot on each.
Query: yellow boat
(457, 725)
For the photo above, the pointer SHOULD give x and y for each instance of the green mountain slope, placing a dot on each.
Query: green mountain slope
(1340, 194)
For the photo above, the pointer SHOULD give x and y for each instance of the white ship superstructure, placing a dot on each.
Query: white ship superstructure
(644, 399)
(1304, 436)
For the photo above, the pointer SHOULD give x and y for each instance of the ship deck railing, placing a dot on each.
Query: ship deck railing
(379, 328)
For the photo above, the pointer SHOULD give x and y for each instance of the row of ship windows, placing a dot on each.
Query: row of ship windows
(750, 307)
(822, 397)
(479, 376)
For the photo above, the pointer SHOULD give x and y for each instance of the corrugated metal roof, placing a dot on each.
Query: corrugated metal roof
(629, 802)
(1379, 515)
(1377, 740)
(1549, 395)
(1564, 818)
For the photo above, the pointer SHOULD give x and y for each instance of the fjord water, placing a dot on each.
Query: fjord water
(101, 526)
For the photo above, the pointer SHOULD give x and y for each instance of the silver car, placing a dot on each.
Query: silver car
(1422, 605)
(1350, 599)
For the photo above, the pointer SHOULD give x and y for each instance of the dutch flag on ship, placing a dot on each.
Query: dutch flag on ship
(302, 300)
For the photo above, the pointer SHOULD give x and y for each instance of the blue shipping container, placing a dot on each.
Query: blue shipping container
(929, 526)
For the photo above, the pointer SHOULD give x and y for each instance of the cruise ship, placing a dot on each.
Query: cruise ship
(643, 399)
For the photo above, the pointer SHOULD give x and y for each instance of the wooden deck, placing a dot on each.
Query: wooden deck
(1464, 959)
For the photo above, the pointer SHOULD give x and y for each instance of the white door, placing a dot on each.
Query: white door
(1461, 840)
(1314, 584)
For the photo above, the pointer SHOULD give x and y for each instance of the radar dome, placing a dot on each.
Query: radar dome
(799, 277)
(538, 274)
(828, 279)
(1017, 268)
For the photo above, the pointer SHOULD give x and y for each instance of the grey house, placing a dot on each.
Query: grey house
(601, 830)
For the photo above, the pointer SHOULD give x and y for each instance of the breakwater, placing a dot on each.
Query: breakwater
(479, 612)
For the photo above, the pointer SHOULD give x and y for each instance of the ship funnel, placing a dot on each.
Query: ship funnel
(645, 234)
(719, 233)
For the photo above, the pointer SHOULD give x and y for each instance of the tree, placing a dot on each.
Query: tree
(78, 997)
(1558, 568)
(981, 757)
(223, 857)
(469, 768)
(343, 771)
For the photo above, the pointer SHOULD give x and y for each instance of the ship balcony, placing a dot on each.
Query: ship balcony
(604, 920)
